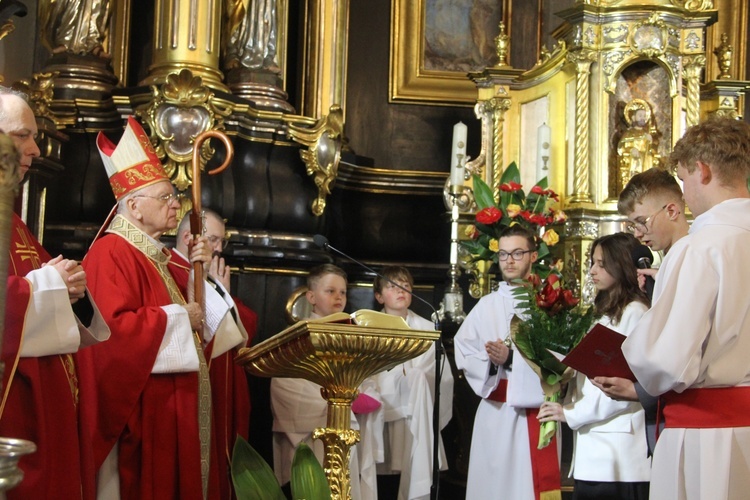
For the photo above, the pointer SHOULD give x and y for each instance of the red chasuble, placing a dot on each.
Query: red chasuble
(229, 389)
(153, 417)
(40, 395)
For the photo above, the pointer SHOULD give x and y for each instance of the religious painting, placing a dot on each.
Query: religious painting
(436, 43)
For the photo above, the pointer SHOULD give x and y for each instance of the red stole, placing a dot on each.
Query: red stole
(40, 394)
(545, 465)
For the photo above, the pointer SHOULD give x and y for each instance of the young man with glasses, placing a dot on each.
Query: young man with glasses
(652, 202)
(504, 461)
(692, 346)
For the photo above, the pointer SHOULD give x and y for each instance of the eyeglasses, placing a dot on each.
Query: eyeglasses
(516, 254)
(642, 226)
(214, 240)
(165, 198)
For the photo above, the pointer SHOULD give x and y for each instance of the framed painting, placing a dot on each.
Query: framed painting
(436, 43)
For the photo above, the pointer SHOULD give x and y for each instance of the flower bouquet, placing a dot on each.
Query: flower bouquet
(532, 211)
(553, 323)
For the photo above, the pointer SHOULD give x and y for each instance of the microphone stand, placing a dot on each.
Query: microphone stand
(322, 242)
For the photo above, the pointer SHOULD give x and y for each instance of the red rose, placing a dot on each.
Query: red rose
(537, 190)
(489, 215)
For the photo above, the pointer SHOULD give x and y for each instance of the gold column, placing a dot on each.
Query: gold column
(692, 66)
(582, 60)
(326, 40)
(498, 105)
(186, 36)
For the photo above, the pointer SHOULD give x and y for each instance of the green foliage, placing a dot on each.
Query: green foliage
(254, 479)
(308, 478)
(251, 475)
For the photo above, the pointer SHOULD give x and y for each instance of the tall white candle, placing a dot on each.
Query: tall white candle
(458, 154)
(543, 138)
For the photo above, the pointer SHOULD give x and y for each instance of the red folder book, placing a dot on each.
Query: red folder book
(599, 354)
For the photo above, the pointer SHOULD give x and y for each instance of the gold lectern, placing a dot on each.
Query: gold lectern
(337, 355)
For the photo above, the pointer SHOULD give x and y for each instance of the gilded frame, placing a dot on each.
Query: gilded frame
(409, 81)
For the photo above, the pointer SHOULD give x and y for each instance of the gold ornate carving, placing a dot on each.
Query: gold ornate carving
(694, 5)
(724, 54)
(323, 141)
(502, 46)
(649, 38)
(180, 110)
(338, 445)
(40, 92)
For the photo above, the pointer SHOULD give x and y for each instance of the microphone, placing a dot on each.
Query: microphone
(322, 242)
(642, 258)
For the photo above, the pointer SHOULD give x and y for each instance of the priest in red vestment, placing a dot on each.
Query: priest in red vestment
(231, 396)
(42, 335)
(152, 397)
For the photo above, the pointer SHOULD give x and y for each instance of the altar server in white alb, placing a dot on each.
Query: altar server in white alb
(504, 460)
(693, 345)
(407, 392)
(298, 407)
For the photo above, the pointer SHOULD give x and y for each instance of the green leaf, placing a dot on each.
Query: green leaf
(511, 174)
(543, 183)
(308, 478)
(251, 475)
(482, 193)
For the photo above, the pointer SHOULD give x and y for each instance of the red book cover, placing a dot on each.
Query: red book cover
(599, 354)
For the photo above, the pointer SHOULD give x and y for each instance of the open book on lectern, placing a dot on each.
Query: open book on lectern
(365, 317)
(599, 354)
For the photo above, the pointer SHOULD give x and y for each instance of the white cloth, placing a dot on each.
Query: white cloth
(221, 326)
(50, 327)
(697, 334)
(610, 443)
(407, 392)
(500, 457)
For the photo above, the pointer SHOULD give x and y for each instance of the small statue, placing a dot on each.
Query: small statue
(251, 34)
(75, 26)
(502, 43)
(637, 148)
(724, 53)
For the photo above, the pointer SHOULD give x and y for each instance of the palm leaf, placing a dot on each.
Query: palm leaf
(251, 475)
(308, 478)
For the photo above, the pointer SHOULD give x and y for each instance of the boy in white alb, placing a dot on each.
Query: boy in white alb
(407, 392)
